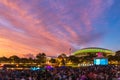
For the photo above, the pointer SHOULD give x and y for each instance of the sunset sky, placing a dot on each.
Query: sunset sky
(54, 26)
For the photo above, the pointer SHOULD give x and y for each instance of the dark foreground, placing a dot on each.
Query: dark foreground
(64, 73)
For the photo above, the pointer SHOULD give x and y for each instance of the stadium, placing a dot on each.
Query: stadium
(93, 50)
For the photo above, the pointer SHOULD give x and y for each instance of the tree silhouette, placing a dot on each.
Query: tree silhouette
(24, 60)
(52, 60)
(14, 59)
(117, 53)
(62, 58)
(3, 59)
(74, 59)
(41, 58)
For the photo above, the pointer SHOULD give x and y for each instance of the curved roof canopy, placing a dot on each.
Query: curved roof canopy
(93, 50)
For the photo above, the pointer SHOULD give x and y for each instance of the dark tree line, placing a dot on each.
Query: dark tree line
(40, 58)
(61, 59)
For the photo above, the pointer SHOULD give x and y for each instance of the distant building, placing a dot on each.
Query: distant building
(93, 50)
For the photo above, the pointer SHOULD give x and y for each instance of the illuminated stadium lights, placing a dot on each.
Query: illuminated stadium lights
(93, 50)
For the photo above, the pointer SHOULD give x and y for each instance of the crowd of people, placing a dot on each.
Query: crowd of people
(109, 72)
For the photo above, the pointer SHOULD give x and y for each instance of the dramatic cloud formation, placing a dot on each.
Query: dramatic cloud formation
(50, 26)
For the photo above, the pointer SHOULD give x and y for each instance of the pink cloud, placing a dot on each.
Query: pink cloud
(46, 26)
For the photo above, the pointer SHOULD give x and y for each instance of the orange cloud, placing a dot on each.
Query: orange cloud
(9, 48)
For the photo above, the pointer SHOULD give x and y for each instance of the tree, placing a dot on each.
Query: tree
(41, 58)
(62, 59)
(14, 59)
(111, 58)
(24, 60)
(52, 60)
(30, 60)
(3, 59)
(117, 53)
(62, 55)
(117, 56)
(74, 59)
